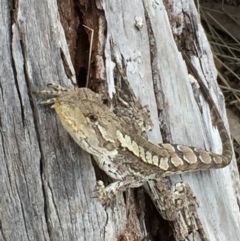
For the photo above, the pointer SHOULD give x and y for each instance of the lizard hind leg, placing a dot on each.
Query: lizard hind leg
(177, 204)
(186, 202)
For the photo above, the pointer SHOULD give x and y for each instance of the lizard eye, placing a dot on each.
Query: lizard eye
(92, 118)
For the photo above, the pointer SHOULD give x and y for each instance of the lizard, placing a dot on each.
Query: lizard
(128, 158)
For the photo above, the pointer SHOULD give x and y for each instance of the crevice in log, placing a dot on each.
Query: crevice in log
(71, 16)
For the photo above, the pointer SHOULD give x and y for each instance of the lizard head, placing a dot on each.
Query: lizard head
(90, 123)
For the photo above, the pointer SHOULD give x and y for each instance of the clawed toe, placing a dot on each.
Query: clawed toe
(104, 196)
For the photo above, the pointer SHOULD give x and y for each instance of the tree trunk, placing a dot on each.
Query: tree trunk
(47, 182)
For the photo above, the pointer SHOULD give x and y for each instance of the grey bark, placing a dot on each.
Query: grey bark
(47, 182)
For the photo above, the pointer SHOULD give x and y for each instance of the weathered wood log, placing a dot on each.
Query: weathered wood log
(47, 182)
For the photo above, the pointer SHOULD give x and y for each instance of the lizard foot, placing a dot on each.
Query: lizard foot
(105, 196)
(55, 90)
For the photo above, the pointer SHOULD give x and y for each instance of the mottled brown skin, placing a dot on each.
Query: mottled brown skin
(96, 129)
(130, 159)
(226, 141)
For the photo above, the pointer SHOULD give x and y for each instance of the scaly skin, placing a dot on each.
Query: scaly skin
(130, 159)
